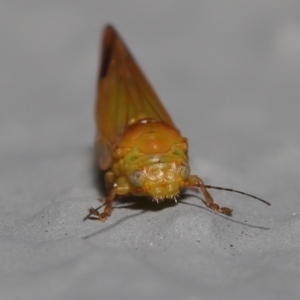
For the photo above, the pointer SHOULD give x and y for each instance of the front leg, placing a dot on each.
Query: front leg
(195, 181)
(121, 187)
(107, 209)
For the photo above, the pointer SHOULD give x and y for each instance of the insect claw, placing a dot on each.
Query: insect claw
(101, 216)
(94, 212)
(226, 211)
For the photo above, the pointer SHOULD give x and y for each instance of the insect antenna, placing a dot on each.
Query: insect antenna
(238, 192)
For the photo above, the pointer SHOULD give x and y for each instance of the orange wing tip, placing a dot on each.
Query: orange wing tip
(109, 37)
(110, 40)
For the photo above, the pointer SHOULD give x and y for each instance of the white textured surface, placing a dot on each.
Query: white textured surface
(229, 73)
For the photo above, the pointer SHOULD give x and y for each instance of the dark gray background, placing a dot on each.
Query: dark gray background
(229, 73)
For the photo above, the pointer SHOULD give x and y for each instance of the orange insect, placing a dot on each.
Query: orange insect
(137, 143)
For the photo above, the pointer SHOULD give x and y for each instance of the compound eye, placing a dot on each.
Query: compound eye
(136, 177)
(184, 171)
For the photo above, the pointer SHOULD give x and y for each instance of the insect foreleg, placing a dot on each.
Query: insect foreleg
(107, 209)
(209, 201)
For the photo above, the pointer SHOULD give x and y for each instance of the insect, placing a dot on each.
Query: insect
(137, 143)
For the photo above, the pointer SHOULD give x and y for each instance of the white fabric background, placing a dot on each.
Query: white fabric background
(229, 73)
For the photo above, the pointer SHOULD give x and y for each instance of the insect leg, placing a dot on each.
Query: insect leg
(107, 209)
(197, 181)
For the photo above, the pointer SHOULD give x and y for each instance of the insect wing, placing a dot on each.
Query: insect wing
(124, 96)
